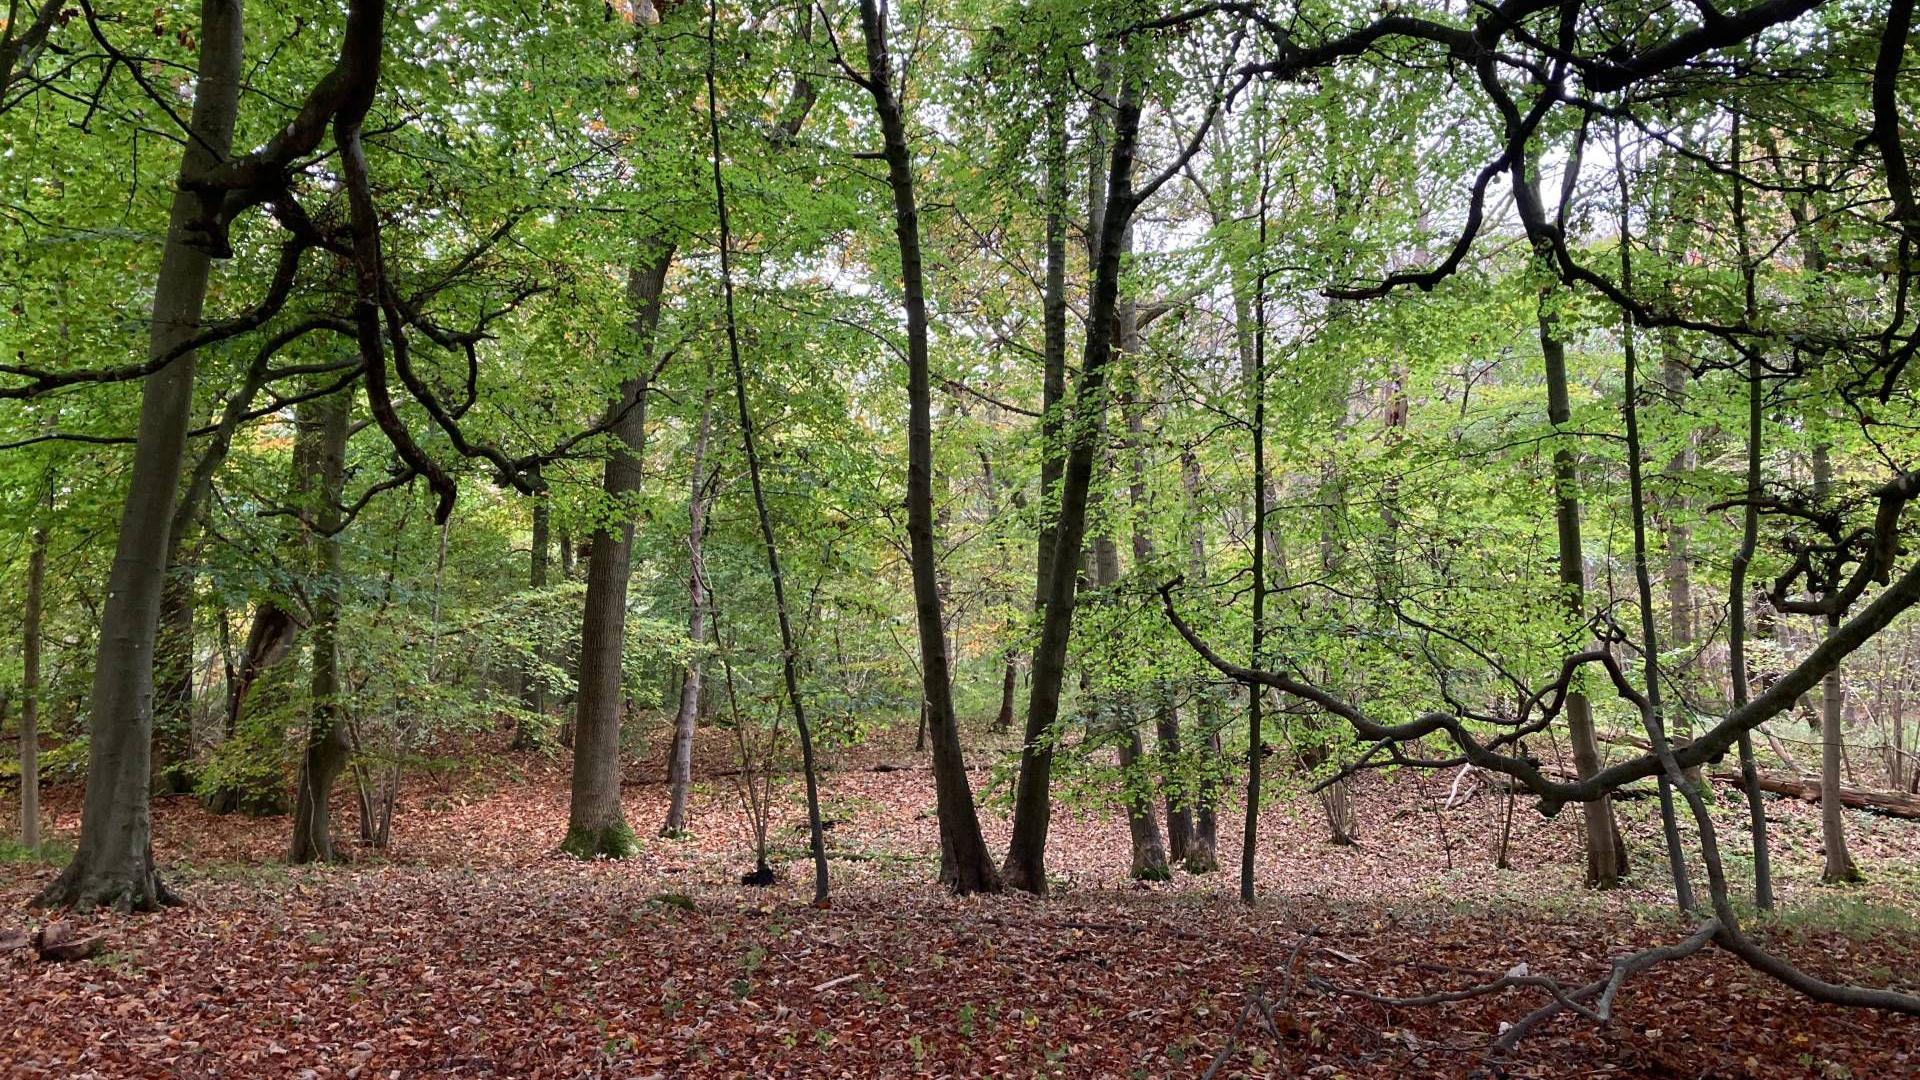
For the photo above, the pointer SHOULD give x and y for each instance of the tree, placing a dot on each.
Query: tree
(596, 825)
(966, 867)
(320, 455)
(687, 714)
(113, 864)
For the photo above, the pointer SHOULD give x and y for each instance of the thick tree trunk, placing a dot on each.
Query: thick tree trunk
(114, 861)
(965, 864)
(596, 825)
(30, 691)
(1606, 855)
(322, 453)
(1026, 852)
(687, 715)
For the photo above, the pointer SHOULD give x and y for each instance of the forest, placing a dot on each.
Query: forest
(737, 538)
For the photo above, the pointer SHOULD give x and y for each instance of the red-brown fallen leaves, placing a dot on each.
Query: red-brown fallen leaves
(477, 952)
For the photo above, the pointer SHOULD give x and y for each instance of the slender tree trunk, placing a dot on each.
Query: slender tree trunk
(596, 825)
(1655, 716)
(1838, 866)
(1738, 677)
(789, 648)
(1256, 391)
(1606, 856)
(687, 715)
(114, 861)
(30, 691)
(1009, 687)
(324, 434)
(1202, 856)
(1149, 861)
(533, 687)
(965, 863)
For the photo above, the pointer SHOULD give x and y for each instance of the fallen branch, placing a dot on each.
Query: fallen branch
(1890, 803)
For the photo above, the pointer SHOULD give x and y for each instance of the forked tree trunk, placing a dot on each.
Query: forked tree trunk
(1026, 852)
(113, 864)
(687, 715)
(966, 867)
(321, 452)
(1031, 794)
(596, 826)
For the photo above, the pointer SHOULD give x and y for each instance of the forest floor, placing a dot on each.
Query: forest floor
(472, 949)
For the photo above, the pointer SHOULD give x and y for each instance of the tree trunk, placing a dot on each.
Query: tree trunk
(30, 691)
(1838, 866)
(533, 687)
(596, 825)
(1202, 855)
(1606, 855)
(965, 864)
(1653, 716)
(323, 424)
(1009, 686)
(1149, 862)
(173, 683)
(1737, 674)
(687, 714)
(1026, 852)
(789, 646)
(1031, 794)
(114, 861)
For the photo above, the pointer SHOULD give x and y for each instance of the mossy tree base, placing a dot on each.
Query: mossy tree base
(615, 841)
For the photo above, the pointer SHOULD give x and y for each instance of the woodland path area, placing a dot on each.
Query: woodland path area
(476, 950)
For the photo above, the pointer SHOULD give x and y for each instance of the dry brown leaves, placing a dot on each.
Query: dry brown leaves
(473, 950)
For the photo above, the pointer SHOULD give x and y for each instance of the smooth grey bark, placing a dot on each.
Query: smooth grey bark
(320, 455)
(113, 864)
(966, 866)
(596, 825)
(687, 715)
(30, 690)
